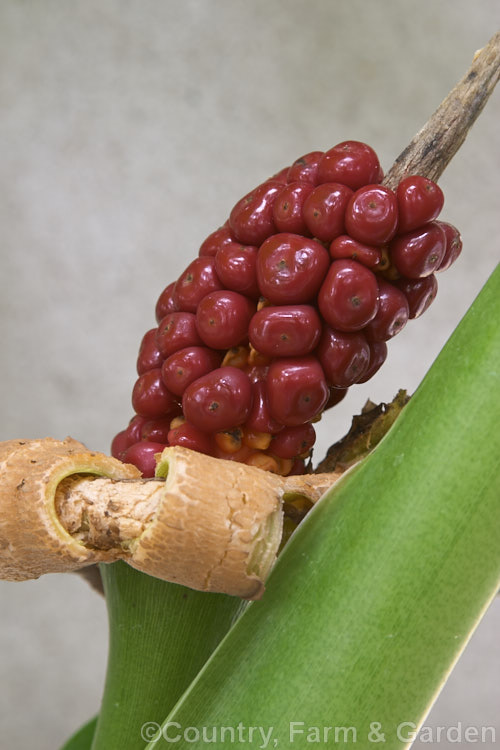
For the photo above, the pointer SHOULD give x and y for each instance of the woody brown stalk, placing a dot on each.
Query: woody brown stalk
(434, 146)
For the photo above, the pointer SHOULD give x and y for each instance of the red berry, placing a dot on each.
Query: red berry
(285, 331)
(290, 268)
(348, 298)
(378, 355)
(346, 247)
(298, 468)
(198, 280)
(335, 397)
(352, 163)
(187, 365)
(222, 319)
(166, 302)
(134, 429)
(419, 253)
(287, 209)
(372, 215)
(297, 390)
(236, 267)
(419, 200)
(219, 400)
(305, 168)
(215, 241)
(293, 441)
(156, 430)
(280, 176)
(119, 445)
(176, 331)
(453, 245)
(420, 293)
(150, 397)
(392, 314)
(325, 208)
(142, 455)
(344, 357)
(149, 354)
(259, 418)
(251, 220)
(189, 437)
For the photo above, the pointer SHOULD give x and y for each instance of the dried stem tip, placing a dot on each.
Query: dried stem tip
(434, 146)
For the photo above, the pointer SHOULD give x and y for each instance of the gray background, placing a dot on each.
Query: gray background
(127, 132)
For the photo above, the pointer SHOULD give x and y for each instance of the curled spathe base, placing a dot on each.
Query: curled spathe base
(33, 541)
(205, 523)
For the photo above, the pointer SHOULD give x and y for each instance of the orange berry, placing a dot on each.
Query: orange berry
(263, 461)
(229, 441)
(257, 440)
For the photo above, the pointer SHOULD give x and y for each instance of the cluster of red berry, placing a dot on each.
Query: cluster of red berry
(286, 306)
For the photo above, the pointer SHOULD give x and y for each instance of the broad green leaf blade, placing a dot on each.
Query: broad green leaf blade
(161, 634)
(379, 590)
(82, 739)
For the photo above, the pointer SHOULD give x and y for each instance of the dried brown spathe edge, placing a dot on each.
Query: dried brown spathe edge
(216, 526)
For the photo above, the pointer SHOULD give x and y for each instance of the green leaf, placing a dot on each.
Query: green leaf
(161, 634)
(82, 740)
(379, 590)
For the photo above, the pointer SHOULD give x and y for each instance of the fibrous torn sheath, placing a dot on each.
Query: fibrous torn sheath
(206, 523)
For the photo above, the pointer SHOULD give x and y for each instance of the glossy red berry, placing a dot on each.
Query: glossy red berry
(293, 441)
(236, 267)
(299, 467)
(190, 437)
(280, 176)
(335, 397)
(142, 455)
(251, 220)
(420, 293)
(305, 168)
(215, 241)
(372, 215)
(419, 253)
(166, 303)
(259, 418)
(392, 314)
(119, 445)
(199, 279)
(348, 298)
(297, 390)
(150, 397)
(453, 245)
(149, 355)
(344, 357)
(285, 331)
(419, 201)
(291, 268)
(222, 319)
(352, 163)
(288, 208)
(134, 428)
(347, 247)
(378, 355)
(156, 430)
(219, 400)
(324, 210)
(176, 331)
(187, 365)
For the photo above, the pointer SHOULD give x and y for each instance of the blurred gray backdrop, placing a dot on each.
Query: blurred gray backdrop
(127, 132)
